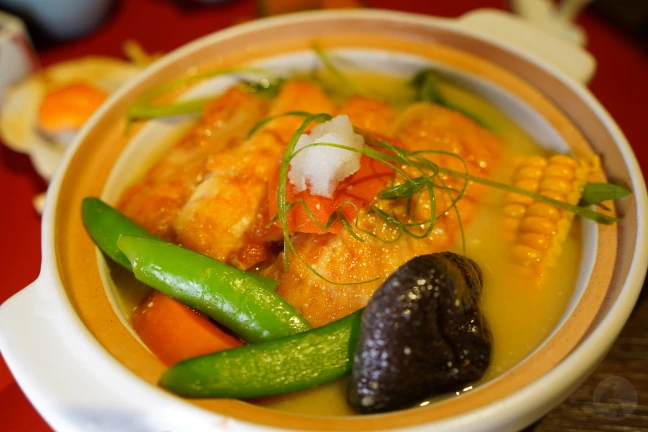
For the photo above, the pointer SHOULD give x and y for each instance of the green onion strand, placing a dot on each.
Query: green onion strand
(328, 64)
(411, 189)
(596, 193)
(145, 109)
(579, 211)
(414, 173)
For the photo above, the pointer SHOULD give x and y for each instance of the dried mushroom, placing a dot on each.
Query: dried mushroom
(422, 334)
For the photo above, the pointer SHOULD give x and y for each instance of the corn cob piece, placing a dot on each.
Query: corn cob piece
(537, 230)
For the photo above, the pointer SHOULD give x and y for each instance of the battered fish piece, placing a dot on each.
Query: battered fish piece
(237, 180)
(297, 96)
(426, 126)
(368, 114)
(155, 201)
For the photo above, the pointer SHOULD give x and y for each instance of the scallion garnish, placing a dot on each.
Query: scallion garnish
(583, 212)
(266, 85)
(408, 188)
(428, 89)
(415, 175)
(596, 193)
(145, 111)
(328, 64)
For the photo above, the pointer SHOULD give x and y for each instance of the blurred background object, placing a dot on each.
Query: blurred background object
(202, 2)
(18, 56)
(276, 7)
(43, 111)
(554, 18)
(60, 19)
(558, 16)
(630, 15)
(560, 52)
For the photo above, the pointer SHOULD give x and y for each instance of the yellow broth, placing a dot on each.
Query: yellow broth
(520, 317)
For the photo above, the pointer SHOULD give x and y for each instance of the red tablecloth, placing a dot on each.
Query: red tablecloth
(620, 83)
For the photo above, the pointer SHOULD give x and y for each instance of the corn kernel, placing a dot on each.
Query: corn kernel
(575, 195)
(538, 208)
(536, 161)
(536, 241)
(538, 225)
(556, 185)
(524, 272)
(511, 224)
(514, 198)
(508, 236)
(527, 184)
(591, 164)
(537, 230)
(528, 172)
(559, 170)
(526, 255)
(515, 210)
(554, 195)
(563, 160)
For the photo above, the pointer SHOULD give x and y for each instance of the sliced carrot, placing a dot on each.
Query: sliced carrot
(359, 189)
(175, 332)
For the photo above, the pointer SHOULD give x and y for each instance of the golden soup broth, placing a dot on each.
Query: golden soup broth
(520, 317)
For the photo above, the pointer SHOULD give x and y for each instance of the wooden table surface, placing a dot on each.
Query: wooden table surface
(621, 84)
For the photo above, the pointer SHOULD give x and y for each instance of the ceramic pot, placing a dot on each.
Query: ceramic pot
(77, 358)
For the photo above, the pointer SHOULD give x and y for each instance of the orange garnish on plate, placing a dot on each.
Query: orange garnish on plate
(69, 107)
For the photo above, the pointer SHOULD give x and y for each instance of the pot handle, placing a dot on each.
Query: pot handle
(26, 339)
(61, 388)
(513, 31)
(63, 383)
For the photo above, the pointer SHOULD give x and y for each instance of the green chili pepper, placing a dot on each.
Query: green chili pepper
(270, 368)
(106, 224)
(230, 296)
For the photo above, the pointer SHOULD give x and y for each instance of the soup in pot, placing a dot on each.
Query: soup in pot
(350, 242)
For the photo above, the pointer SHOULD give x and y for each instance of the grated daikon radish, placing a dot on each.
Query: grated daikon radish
(322, 168)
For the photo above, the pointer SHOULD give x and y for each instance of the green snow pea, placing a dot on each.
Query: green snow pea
(230, 296)
(105, 225)
(270, 368)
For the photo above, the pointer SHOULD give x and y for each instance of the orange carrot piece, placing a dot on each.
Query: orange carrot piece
(359, 188)
(175, 332)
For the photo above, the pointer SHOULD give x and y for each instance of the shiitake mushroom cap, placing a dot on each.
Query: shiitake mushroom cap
(422, 335)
